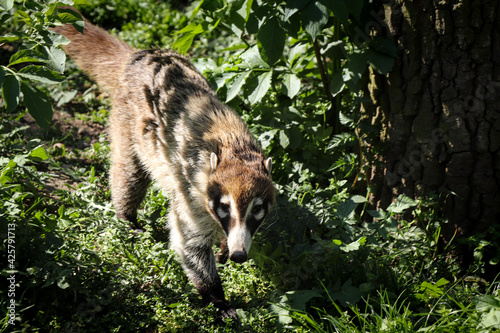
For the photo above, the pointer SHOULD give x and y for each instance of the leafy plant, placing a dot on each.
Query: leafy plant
(38, 58)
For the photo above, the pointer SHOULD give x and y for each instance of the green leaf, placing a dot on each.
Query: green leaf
(348, 294)
(271, 41)
(70, 16)
(6, 4)
(12, 37)
(183, 43)
(487, 302)
(38, 154)
(192, 28)
(56, 58)
(252, 58)
(298, 299)
(354, 71)
(263, 85)
(26, 56)
(335, 50)
(340, 9)
(402, 203)
(314, 18)
(292, 85)
(353, 246)
(346, 209)
(234, 85)
(38, 104)
(40, 74)
(2, 75)
(266, 138)
(284, 140)
(10, 92)
(358, 198)
(337, 83)
(244, 11)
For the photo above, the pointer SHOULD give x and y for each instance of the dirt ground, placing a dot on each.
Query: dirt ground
(75, 133)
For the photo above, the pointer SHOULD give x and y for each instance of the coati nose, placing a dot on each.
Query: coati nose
(238, 256)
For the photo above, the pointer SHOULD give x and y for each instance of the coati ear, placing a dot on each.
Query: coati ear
(269, 165)
(213, 162)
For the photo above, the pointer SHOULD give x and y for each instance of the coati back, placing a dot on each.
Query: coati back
(168, 125)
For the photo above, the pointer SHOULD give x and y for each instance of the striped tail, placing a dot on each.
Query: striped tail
(99, 54)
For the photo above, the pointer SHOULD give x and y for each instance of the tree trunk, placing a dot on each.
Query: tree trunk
(439, 109)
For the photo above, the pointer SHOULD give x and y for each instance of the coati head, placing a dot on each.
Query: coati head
(240, 195)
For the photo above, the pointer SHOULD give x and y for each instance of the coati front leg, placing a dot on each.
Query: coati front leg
(198, 261)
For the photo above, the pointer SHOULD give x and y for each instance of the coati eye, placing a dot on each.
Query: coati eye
(258, 212)
(223, 210)
(224, 207)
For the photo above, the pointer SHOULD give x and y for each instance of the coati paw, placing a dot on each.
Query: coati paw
(229, 313)
(225, 311)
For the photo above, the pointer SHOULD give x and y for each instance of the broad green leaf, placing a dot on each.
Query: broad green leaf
(284, 140)
(56, 58)
(348, 294)
(220, 81)
(337, 83)
(346, 209)
(296, 51)
(487, 302)
(335, 50)
(354, 71)
(314, 18)
(12, 37)
(40, 74)
(6, 4)
(266, 138)
(38, 153)
(26, 56)
(244, 11)
(340, 9)
(252, 58)
(402, 203)
(263, 85)
(2, 75)
(192, 28)
(358, 198)
(296, 5)
(292, 85)
(378, 214)
(38, 105)
(353, 246)
(183, 43)
(298, 299)
(234, 85)
(271, 41)
(69, 16)
(10, 92)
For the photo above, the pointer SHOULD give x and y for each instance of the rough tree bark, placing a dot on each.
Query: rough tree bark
(439, 109)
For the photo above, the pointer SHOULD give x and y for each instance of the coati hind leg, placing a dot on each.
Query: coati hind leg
(198, 261)
(129, 183)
